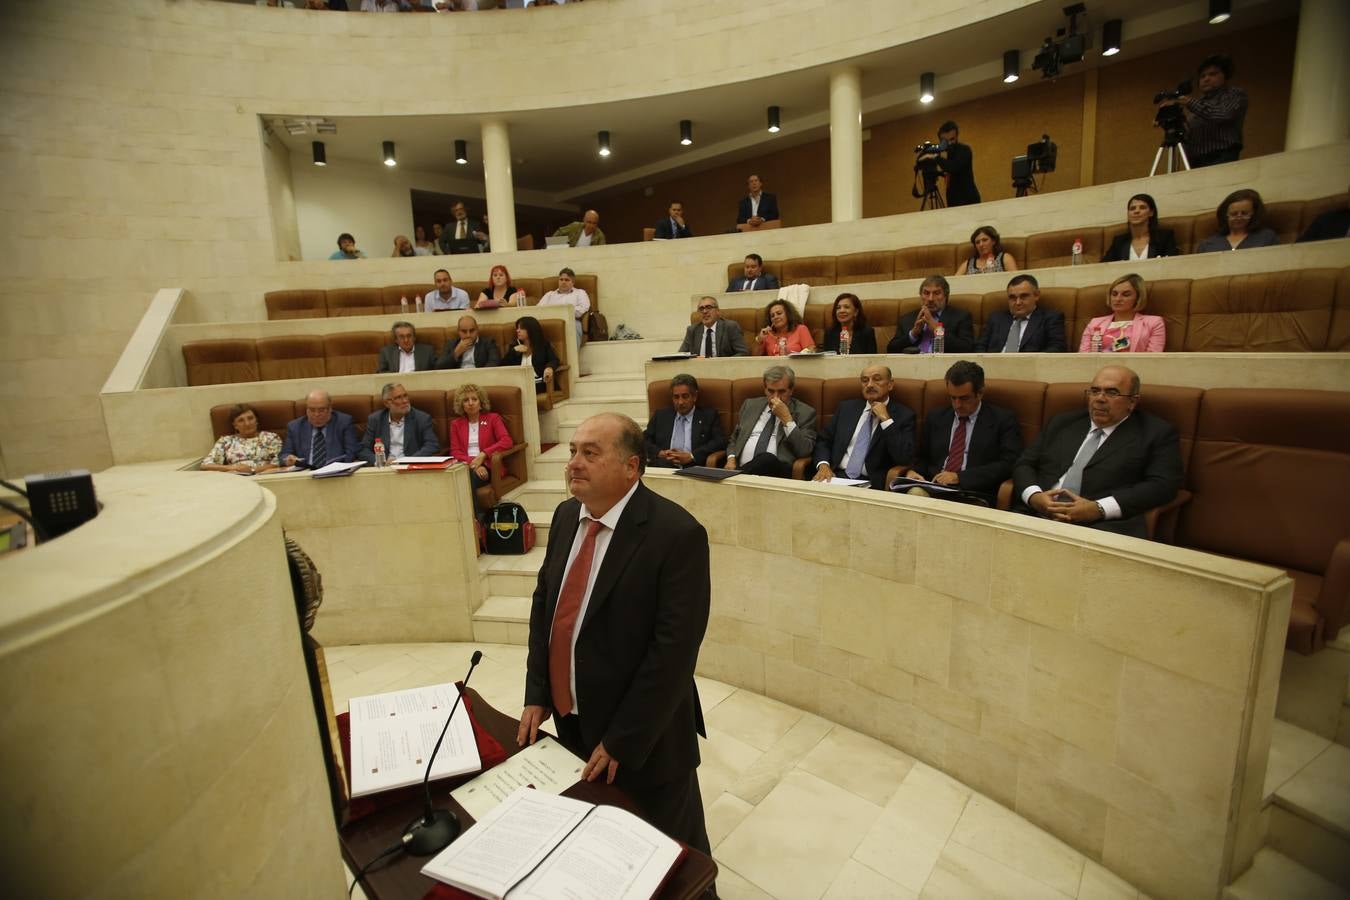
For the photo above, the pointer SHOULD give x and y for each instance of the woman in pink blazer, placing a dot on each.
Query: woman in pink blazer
(1125, 329)
(476, 434)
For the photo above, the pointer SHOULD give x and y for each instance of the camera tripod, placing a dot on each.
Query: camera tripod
(1025, 186)
(1172, 146)
(932, 197)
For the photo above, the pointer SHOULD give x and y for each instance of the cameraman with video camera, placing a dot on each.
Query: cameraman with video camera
(1215, 117)
(958, 166)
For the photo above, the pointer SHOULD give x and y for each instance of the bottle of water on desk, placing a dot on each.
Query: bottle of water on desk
(379, 453)
(1096, 342)
(939, 339)
(1077, 251)
(782, 346)
(403, 305)
(419, 302)
(845, 341)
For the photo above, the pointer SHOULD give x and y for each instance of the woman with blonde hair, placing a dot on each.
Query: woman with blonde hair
(475, 434)
(1125, 329)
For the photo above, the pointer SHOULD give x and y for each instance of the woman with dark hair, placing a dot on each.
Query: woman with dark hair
(1125, 329)
(500, 291)
(785, 332)
(987, 254)
(1242, 224)
(533, 349)
(247, 451)
(847, 316)
(1142, 238)
(476, 433)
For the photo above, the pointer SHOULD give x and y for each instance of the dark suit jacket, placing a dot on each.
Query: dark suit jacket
(705, 436)
(957, 322)
(424, 358)
(768, 208)
(960, 166)
(892, 446)
(1044, 332)
(666, 229)
(994, 447)
(764, 282)
(485, 354)
(728, 340)
(1327, 227)
(1139, 465)
(472, 225)
(862, 340)
(544, 358)
(419, 437)
(1162, 242)
(638, 643)
(339, 437)
(801, 442)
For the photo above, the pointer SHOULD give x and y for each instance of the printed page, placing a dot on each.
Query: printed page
(393, 735)
(612, 855)
(546, 765)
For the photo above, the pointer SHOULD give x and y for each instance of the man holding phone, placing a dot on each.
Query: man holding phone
(1104, 466)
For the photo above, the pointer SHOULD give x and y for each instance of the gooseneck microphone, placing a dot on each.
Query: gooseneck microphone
(436, 828)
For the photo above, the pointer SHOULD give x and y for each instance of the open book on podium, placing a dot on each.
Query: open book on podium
(541, 846)
(394, 734)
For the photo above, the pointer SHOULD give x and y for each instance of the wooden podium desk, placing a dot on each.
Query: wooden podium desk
(402, 879)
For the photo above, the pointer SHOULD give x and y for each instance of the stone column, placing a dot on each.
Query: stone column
(846, 203)
(1319, 99)
(501, 194)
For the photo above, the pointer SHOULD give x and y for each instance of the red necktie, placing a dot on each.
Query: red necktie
(565, 620)
(957, 452)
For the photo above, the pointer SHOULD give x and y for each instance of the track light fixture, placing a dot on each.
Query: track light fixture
(926, 87)
(603, 138)
(1012, 64)
(774, 126)
(320, 154)
(389, 154)
(686, 132)
(1220, 11)
(1111, 38)
(462, 152)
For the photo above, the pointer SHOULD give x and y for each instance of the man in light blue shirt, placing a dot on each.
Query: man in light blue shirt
(446, 296)
(347, 248)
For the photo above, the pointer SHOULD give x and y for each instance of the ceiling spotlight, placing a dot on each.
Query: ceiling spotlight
(320, 155)
(774, 127)
(604, 143)
(926, 87)
(1111, 38)
(1012, 62)
(462, 152)
(1220, 11)
(389, 154)
(686, 132)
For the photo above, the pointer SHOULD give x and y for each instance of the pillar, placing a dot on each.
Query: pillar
(1319, 99)
(501, 194)
(846, 144)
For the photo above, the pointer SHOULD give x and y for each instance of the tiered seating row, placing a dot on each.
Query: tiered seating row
(1287, 312)
(1052, 248)
(1246, 451)
(232, 360)
(508, 469)
(375, 301)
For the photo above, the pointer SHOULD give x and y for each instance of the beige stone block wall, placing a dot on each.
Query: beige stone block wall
(159, 734)
(1118, 693)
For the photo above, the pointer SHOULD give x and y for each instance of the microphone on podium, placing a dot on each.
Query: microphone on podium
(436, 828)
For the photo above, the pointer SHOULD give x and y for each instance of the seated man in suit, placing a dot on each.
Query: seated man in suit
(405, 354)
(684, 433)
(321, 436)
(672, 226)
(471, 351)
(713, 335)
(757, 208)
(755, 278)
(917, 329)
(1328, 226)
(446, 296)
(774, 430)
(970, 445)
(868, 435)
(405, 431)
(1103, 466)
(1023, 328)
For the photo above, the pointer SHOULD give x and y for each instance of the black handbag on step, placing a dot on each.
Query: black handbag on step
(509, 530)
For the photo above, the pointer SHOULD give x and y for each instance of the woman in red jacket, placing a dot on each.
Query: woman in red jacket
(475, 434)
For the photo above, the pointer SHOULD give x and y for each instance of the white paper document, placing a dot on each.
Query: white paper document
(546, 765)
(430, 460)
(840, 481)
(338, 468)
(393, 735)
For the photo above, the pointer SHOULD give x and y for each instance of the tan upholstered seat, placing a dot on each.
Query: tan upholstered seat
(1055, 248)
(930, 259)
(356, 302)
(1268, 312)
(302, 304)
(291, 356)
(221, 361)
(812, 270)
(353, 353)
(391, 297)
(870, 265)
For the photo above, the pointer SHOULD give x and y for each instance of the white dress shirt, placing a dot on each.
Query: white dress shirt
(435, 301)
(396, 429)
(576, 298)
(753, 441)
(407, 361)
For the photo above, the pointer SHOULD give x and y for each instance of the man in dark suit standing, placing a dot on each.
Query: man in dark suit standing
(403, 430)
(755, 278)
(672, 226)
(757, 208)
(969, 445)
(774, 430)
(684, 433)
(959, 167)
(1104, 466)
(867, 435)
(917, 329)
(405, 354)
(463, 234)
(321, 436)
(1037, 330)
(618, 615)
(471, 351)
(713, 335)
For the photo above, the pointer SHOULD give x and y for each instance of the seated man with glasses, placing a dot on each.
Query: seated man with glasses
(1103, 466)
(713, 335)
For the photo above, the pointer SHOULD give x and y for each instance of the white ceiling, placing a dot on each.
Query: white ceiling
(554, 150)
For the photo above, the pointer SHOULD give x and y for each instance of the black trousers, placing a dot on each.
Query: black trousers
(767, 464)
(1228, 154)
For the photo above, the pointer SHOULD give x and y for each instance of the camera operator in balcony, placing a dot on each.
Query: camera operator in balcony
(958, 166)
(1215, 117)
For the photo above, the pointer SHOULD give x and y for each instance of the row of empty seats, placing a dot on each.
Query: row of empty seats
(1052, 248)
(291, 356)
(1267, 471)
(317, 303)
(509, 469)
(1287, 312)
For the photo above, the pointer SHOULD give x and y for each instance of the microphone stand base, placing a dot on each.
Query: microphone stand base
(428, 836)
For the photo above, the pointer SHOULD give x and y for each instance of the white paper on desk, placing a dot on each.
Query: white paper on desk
(409, 460)
(501, 849)
(393, 735)
(611, 855)
(338, 468)
(839, 481)
(546, 764)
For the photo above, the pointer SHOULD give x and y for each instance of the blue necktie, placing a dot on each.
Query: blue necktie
(855, 462)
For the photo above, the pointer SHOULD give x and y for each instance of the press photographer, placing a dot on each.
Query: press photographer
(958, 165)
(1213, 119)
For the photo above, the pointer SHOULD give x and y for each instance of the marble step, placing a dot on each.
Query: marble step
(1310, 810)
(624, 357)
(503, 620)
(1274, 876)
(628, 384)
